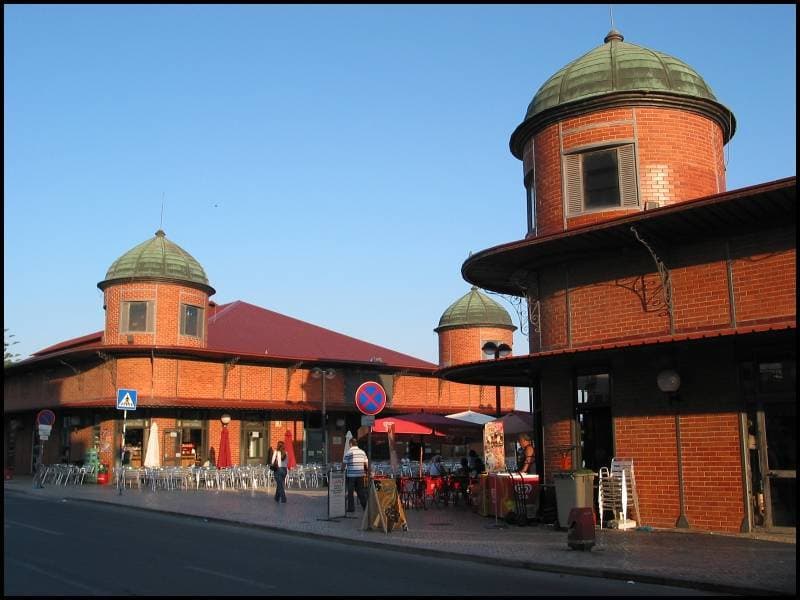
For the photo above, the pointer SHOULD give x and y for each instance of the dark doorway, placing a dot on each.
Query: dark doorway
(594, 428)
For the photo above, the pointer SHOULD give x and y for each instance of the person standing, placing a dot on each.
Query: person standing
(527, 454)
(280, 460)
(356, 463)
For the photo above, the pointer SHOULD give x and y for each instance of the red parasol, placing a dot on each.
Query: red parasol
(441, 425)
(287, 438)
(401, 426)
(224, 457)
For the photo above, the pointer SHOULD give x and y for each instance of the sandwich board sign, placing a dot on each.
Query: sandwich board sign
(336, 493)
(126, 399)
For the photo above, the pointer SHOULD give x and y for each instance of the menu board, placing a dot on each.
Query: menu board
(494, 447)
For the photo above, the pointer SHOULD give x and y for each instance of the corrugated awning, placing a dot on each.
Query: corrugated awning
(198, 403)
(521, 371)
(505, 268)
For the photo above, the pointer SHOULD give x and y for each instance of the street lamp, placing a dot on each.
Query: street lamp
(226, 418)
(495, 351)
(669, 382)
(323, 374)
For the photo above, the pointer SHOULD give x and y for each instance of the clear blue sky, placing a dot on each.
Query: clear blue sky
(333, 163)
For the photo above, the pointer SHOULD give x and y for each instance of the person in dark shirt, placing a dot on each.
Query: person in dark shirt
(526, 460)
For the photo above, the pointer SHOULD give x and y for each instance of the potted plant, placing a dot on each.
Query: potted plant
(102, 474)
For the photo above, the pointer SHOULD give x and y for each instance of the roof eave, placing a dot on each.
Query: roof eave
(715, 111)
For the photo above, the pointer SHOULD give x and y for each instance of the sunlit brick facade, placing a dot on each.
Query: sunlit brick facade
(639, 262)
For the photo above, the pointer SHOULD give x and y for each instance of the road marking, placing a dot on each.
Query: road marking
(226, 576)
(88, 588)
(18, 524)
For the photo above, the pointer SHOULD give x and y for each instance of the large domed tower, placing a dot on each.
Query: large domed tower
(620, 130)
(156, 294)
(468, 324)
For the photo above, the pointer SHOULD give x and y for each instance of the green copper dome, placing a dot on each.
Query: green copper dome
(158, 259)
(618, 68)
(475, 309)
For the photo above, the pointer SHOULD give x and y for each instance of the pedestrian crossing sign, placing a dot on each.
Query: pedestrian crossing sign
(126, 399)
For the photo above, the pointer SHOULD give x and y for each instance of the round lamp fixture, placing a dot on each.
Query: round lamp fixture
(226, 418)
(668, 381)
(317, 372)
(495, 350)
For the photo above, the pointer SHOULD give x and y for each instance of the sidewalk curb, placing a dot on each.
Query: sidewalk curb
(524, 564)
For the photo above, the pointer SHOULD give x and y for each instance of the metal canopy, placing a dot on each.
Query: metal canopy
(503, 268)
(522, 371)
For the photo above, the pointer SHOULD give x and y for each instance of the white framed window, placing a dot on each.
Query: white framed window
(191, 320)
(601, 179)
(136, 316)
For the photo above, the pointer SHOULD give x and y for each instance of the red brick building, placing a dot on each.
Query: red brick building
(191, 361)
(640, 267)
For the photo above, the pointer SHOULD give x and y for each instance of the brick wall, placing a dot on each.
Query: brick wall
(679, 158)
(644, 430)
(167, 299)
(619, 297)
(462, 345)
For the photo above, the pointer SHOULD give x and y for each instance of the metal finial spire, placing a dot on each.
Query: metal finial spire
(161, 224)
(612, 35)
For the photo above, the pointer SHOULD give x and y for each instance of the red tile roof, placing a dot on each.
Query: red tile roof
(86, 340)
(249, 329)
(242, 328)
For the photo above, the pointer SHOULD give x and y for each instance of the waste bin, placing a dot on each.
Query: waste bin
(574, 489)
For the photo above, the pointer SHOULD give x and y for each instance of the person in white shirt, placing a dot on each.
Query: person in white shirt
(356, 464)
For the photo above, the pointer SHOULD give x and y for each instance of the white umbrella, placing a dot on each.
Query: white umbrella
(471, 417)
(348, 436)
(152, 458)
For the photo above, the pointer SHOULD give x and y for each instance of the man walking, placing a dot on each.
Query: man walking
(356, 463)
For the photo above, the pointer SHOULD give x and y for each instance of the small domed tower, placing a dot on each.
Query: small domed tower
(619, 130)
(156, 294)
(468, 324)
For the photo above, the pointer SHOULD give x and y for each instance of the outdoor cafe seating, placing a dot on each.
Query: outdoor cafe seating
(426, 490)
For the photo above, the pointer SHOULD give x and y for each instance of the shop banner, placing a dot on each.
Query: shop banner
(494, 447)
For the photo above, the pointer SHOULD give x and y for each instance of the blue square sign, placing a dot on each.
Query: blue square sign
(126, 399)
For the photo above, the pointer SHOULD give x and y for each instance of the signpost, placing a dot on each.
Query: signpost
(370, 400)
(45, 419)
(126, 400)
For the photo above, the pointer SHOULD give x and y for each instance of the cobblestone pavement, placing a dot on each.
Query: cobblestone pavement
(739, 564)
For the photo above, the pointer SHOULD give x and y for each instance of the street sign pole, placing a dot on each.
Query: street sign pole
(45, 419)
(126, 400)
(37, 481)
(121, 472)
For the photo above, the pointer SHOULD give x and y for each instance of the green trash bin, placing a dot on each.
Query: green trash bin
(574, 489)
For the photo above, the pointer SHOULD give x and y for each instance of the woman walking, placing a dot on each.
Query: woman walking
(280, 460)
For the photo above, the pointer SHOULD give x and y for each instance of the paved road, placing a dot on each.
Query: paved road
(67, 548)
